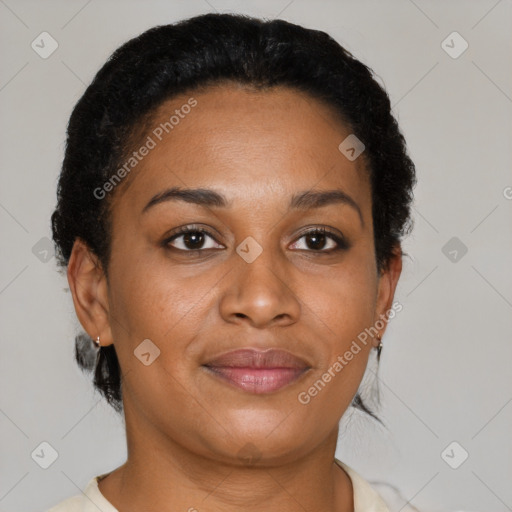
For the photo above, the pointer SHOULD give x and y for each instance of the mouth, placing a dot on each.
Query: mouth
(257, 371)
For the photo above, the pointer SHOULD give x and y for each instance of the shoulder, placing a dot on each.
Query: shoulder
(91, 500)
(73, 504)
(366, 498)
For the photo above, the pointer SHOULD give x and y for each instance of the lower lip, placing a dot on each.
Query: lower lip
(257, 380)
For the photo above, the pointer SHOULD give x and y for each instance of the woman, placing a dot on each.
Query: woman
(230, 210)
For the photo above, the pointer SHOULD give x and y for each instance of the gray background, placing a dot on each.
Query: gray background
(445, 369)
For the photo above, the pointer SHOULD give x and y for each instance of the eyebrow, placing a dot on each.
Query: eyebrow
(204, 197)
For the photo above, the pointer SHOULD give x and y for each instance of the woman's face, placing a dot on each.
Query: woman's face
(254, 280)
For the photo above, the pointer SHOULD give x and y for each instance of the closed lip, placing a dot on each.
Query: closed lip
(257, 358)
(257, 371)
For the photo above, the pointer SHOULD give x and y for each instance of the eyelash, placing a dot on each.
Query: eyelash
(342, 244)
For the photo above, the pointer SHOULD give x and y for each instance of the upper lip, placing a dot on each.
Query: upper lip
(256, 358)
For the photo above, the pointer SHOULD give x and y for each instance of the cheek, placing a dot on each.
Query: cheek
(345, 299)
(153, 299)
(343, 309)
(162, 307)
(154, 304)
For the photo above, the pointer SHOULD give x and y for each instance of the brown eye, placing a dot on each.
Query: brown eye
(316, 240)
(191, 239)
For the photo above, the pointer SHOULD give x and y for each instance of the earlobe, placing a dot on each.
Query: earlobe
(387, 285)
(88, 286)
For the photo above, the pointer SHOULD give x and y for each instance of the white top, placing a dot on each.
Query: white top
(365, 498)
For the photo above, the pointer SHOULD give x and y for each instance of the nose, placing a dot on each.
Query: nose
(260, 293)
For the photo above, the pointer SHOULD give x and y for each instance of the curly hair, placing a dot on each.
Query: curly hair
(193, 54)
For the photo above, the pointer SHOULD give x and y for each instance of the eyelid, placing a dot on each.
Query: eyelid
(331, 233)
(183, 230)
(337, 237)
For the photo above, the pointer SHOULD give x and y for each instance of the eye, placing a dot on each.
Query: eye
(317, 238)
(192, 239)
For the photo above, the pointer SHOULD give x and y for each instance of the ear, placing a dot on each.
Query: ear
(387, 285)
(89, 289)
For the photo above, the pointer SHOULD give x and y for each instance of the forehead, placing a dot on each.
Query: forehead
(246, 143)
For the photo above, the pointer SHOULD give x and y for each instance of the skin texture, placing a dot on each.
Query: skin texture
(186, 428)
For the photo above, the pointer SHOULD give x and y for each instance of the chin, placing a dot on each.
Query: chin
(264, 436)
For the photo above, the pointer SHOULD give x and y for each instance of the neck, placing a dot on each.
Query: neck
(162, 475)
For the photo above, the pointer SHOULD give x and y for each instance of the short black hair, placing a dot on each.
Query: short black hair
(195, 53)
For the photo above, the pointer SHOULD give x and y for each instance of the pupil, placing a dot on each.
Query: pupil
(192, 239)
(315, 237)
